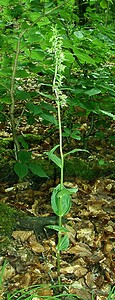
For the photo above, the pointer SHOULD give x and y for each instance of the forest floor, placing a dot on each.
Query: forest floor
(87, 267)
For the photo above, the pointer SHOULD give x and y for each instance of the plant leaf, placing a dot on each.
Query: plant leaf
(37, 169)
(93, 92)
(65, 191)
(57, 228)
(56, 160)
(49, 117)
(107, 113)
(23, 142)
(60, 205)
(24, 156)
(21, 169)
(64, 243)
(75, 150)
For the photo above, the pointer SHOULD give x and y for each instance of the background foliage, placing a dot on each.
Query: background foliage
(88, 36)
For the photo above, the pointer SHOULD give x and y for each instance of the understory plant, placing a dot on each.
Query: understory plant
(61, 196)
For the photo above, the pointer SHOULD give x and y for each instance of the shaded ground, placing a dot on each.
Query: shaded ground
(88, 263)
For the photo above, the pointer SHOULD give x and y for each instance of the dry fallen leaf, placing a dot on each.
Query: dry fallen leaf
(35, 246)
(80, 249)
(9, 271)
(76, 269)
(86, 235)
(71, 233)
(90, 280)
(81, 293)
(21, 235)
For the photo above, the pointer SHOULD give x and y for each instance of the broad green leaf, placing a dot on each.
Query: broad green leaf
(57, 228)
(66, 42)
(22, 95)
(21, 73)
(37, 169)
(68, 56)
(23, 142)
(64, 243)
(76, 137)
(101, 162)
(47, 106)
(34, 16)
(79, 34)
(6, 100)
(55, 159)
(49, 117)
(30, 119)
(104, 3)
(75, 150)
(1, 107)
(4, 3)
(35, 37)
(60, 205)
(35, 109)
(24, 156)
(37, 55)
(83, 57)
(45, 21)
(93, 92)
(21, 169)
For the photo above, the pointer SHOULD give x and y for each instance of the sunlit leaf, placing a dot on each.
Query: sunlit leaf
(69, 57)
(37, 55)
(79, 34)
(83, 57)
(104, 3)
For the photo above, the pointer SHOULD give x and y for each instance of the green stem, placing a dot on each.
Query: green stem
(13, 125)
(61, 183)
(56, 86)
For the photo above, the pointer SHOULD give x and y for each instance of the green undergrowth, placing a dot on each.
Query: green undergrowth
(76, 167)
(33, 292)
(8, 217)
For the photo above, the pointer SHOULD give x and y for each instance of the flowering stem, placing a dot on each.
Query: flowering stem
(57, 83)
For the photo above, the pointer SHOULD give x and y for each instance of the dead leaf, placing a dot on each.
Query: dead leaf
(21, 235)
(80, 249)
(81, 293)
(9, 271)
(35, 246)
(86, 235)
(71, 233)
(90, 280)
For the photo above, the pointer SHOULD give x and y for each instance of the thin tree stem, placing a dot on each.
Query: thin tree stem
(12, 108)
